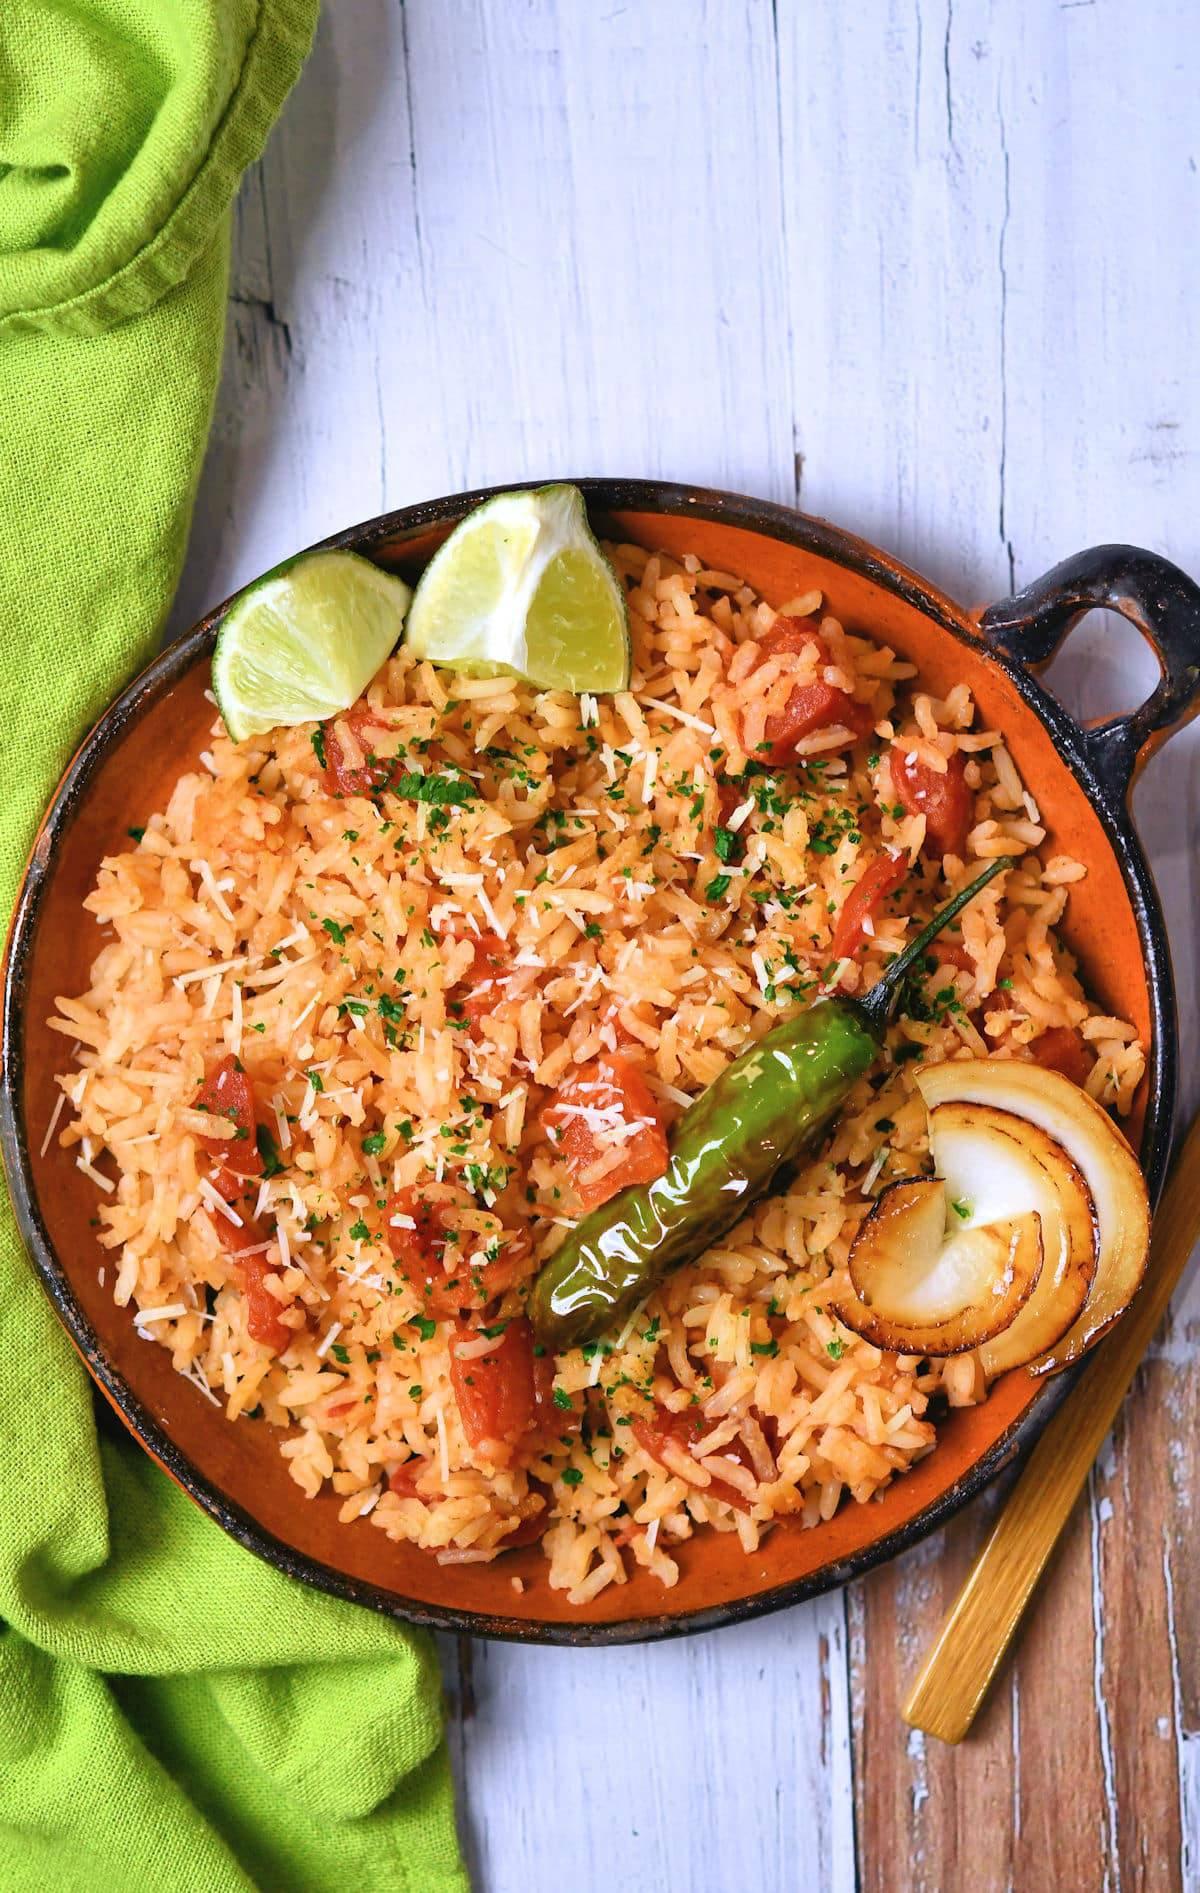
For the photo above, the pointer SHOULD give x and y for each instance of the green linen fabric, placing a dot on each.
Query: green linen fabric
(174, 1715)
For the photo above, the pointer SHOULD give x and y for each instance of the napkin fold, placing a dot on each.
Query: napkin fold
(175, 1716)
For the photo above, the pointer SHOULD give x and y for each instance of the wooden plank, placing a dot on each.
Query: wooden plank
(710, 1761)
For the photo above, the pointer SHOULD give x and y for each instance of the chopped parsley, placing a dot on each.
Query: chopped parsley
(318, 742)
(373, 1144)
(961, 1209)
(424, 1327)
(340, 1353)
(572, 1476)
(135, 834)
(335, 932)
(437, 791)
(727, 844)
(359, 1231)
(562, 1399)
(717, 887)
(268, 1151)
(835, 1348)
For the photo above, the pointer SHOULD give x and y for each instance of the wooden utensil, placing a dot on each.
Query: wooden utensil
(983, 1619)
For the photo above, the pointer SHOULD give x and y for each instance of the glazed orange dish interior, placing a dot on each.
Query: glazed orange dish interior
(391, 1023)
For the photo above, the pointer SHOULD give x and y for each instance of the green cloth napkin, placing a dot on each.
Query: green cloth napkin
(173, 1714)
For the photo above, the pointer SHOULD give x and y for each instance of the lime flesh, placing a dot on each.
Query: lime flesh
(522, 588)
(303, 643)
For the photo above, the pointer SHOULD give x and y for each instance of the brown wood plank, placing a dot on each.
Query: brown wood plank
(928, 1817)
(1072, 1775)
(1019, 1804)
(1144, 1554)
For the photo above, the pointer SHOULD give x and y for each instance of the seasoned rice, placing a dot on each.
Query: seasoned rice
(324, 942)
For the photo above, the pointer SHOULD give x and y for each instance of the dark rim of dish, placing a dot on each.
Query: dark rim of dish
(604, 496)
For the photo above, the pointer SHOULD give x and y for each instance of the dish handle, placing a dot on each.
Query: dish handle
(1162, 602)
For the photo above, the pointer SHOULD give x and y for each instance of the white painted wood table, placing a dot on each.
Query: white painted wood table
(930, 268)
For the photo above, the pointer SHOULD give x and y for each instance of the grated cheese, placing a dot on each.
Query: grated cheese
(741, 814)
(55, 1114)
(206, 972)
(681, 716)
(208, 882)
(218, 1202)
(881, 1157)
(328, 1339)
(235, 1020)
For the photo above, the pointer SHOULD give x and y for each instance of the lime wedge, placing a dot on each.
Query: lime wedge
(522, 587)
(305, 641)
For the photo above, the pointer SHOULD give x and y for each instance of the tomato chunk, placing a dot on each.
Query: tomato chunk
(495, 1392)
(403, 1480)
(812, 706)
(655, 1431)
(421, 1236)
(535, 1523)
(442, 1271)
(603, 1107)
(342, 777)
(482, 978)
(227, 1092)
(951, 953)
(262, 1309)
(1064, 1050)
(945, 801)
(883, 877)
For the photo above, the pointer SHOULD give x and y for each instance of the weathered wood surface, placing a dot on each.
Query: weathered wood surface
(932, 269)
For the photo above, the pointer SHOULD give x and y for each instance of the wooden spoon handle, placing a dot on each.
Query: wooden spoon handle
(956, 1673)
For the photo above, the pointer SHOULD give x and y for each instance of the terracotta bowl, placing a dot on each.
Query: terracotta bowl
(156, 728)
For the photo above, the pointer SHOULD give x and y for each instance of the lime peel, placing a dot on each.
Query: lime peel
(303, 643)
(522, 588)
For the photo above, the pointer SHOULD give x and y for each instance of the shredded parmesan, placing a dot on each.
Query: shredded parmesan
(55, 1114)
(681, 716)
(206, 972)
(235, 1021)
(213, 1196)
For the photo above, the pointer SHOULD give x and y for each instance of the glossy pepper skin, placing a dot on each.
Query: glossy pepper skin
(772, 1107)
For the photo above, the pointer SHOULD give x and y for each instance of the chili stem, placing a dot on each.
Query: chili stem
(881, 1002)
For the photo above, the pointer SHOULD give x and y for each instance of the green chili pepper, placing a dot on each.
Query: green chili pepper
(769, 1109)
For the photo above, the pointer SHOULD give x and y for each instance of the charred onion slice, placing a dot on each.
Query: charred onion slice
(1051, 1103)
(923, 1289)
(996, 1164)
